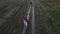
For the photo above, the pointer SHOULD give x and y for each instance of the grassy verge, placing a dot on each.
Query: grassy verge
(48, 19)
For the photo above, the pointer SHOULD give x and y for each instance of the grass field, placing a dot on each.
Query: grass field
(47, 16)
(11, 16)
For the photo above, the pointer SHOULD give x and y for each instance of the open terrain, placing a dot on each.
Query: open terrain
(47, 16)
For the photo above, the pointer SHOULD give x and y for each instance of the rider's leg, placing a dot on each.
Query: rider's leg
(25, 23)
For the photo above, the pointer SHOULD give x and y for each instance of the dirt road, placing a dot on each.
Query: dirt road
(33, 18)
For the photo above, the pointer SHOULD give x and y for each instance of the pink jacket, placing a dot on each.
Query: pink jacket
(25, 17)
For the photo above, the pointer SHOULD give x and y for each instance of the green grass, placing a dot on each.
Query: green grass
(48, 16)
(13, 20)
